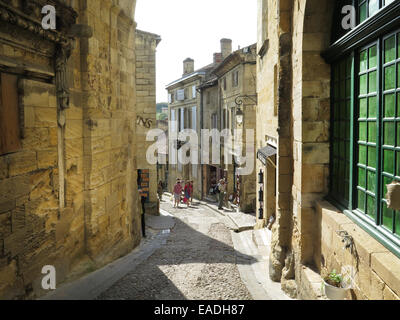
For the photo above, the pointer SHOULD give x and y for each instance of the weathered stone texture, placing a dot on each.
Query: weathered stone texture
(293, 84)
(95, 151)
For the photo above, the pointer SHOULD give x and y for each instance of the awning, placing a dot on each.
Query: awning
(264, 153)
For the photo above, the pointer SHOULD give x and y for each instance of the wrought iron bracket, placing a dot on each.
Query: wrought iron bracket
(240, 100)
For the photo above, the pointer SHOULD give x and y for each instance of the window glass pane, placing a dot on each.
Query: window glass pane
(398, 105)
(388, 2)
(390, 105)
(372, 82)
(390, 77)
(386, 181)
(390, 49)
(397, 223)
(371, 181)
(362, 178)
(389, 133)
(387, 217)
(398, 135)
(398, 45)
(371, 206)
(363, 131)
(363, 108)
(372, 157)
(372, 57)
(388, 159)
(373, 7)
(363, 84)
(361, 201)
(362, 155)
(398, 164)
(371, 131)
(363, 60)
(372, 106)
(398, 75)
(363, 12)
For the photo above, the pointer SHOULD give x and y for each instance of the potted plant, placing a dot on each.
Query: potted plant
(335, 287)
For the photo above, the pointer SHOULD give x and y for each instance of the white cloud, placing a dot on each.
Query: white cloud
(193, 29)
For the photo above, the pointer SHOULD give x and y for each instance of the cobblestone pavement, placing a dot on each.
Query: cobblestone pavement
(198, 262)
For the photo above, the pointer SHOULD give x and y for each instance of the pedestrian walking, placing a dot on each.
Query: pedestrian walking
(221, 195)
(186, 199)
(177, 193)
(191, 191)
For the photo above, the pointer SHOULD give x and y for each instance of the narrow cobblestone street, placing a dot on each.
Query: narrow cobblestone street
(198, 262)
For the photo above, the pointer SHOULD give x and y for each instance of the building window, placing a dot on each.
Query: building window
(194, 93)
(341, 129)
(368, 156)
(182, 119)
(10, 134)
(367, 8)
(224, 83)
(214, 121)
(194, 118)
(365, 140)
(174, 128)
(180, 95)
(235, 79)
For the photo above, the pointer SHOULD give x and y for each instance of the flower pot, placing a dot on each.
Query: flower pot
(335, 293)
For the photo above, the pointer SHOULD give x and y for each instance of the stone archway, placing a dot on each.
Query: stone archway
(311, 109)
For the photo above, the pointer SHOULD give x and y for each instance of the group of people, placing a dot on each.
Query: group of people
(187, 188)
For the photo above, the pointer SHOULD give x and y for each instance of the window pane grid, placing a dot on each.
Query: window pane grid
(367, 8)
(367, 131)
(391, 129)
(342, 77)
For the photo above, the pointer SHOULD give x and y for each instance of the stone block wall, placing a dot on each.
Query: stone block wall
(70, 193)
(374, 271)
(305, 243)
(146, 44)
(112, 216)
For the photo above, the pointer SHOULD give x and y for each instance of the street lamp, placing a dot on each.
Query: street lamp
(239, 116)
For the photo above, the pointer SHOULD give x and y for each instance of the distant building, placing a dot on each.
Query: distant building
(185, 113)
(237, 110)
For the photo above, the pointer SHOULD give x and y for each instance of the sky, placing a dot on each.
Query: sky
(193, 29)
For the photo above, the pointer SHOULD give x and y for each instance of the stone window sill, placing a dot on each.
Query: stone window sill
(379, 259)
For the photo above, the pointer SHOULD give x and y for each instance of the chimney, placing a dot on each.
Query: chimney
(217, 58)
(188, 66)
(226, 47)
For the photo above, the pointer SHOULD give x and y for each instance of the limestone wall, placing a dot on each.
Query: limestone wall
(70, 195)
(146, 44)
(295, 107)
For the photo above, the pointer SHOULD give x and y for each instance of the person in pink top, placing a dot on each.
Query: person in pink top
(177, 193)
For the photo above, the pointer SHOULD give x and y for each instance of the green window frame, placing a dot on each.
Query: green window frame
(368, 8)
(367, 62)
(341, 129)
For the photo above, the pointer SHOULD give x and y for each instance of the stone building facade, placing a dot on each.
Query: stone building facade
(184, 113)
(237, 91)
(68, 168)
(311, 84)
(146, 44)
(211, 172)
